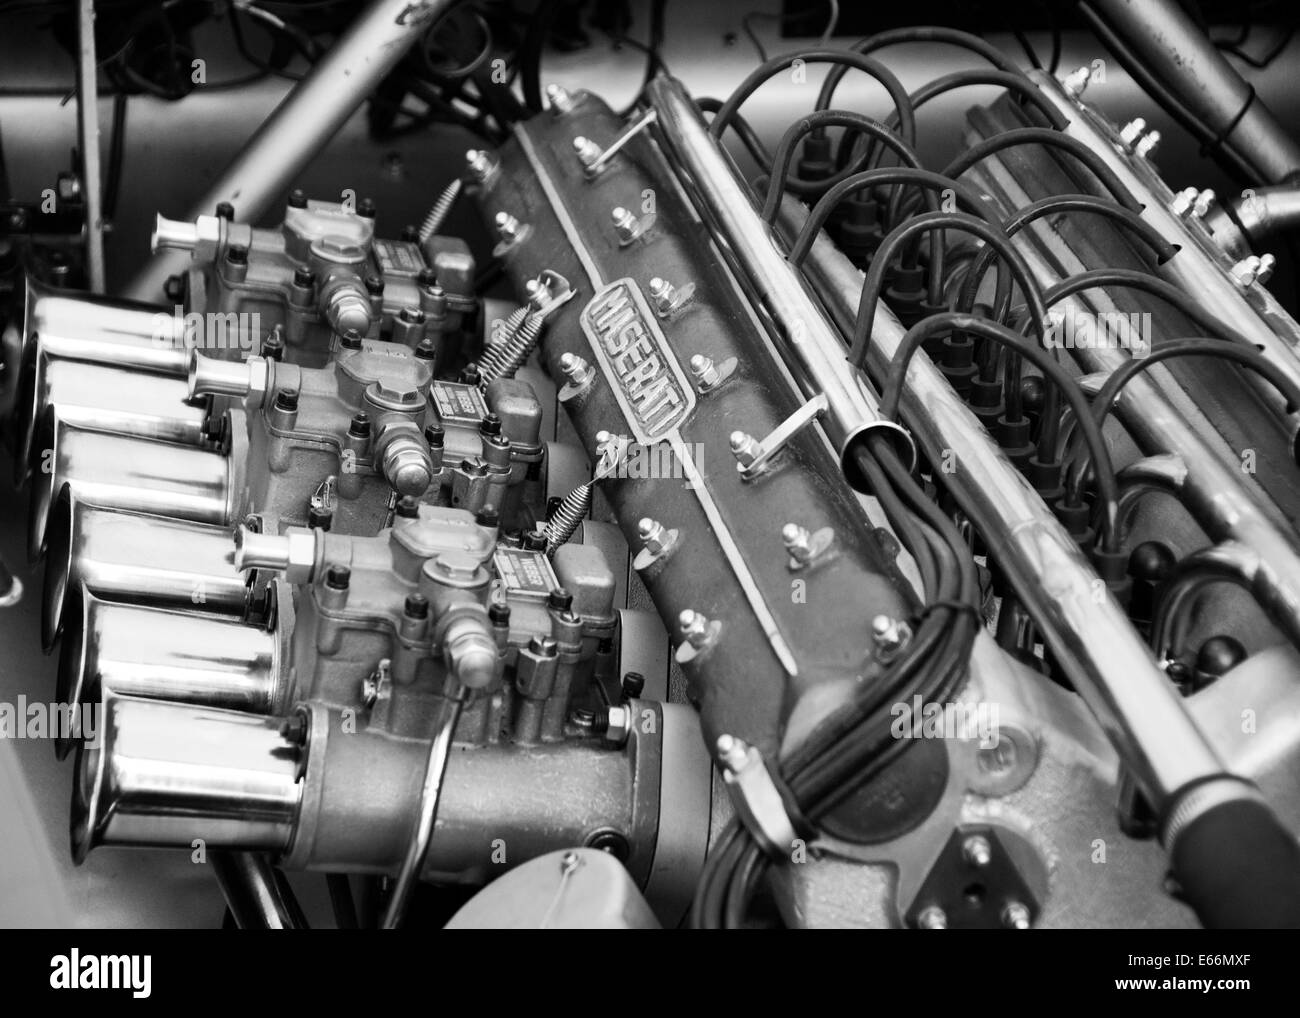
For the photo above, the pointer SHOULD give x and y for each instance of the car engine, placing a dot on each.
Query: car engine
(809, 518)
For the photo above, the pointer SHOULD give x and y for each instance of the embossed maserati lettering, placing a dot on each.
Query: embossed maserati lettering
(630, 347)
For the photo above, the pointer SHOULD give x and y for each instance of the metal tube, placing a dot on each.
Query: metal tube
(257, 896)
(88, 138)
(1213, 490)
(431, 792)
(1260, 212)
(310, 115)
(1182, 56)
(812, 347)
(1091, 637)
(1192, 269)
(159, 773)
(148, 560)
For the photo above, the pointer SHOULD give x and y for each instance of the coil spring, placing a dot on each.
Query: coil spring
(571, 511)
(510, 357)
(490, 358)
(434, 220)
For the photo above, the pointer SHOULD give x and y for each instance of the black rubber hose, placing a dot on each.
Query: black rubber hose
(1238, 867)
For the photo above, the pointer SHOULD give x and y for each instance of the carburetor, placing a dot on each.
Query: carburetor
(324, 274)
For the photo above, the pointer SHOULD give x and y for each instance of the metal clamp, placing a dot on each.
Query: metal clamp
(755, 795)
(753, 457)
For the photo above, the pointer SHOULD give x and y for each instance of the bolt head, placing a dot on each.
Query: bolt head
(977, 851)
(1016, 916)
(932, 918)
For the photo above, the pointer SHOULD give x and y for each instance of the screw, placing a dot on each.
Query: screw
(478, 163)
(587, 151)
(888, 634)
(694, 627)
(304, 277)
(977, 851)
(287, 400)
(626, 225)
(732, 752)
(1076, 82)
(559, 600)
(745, 448)
(338, 577)
(359, 427)
(576, 369)
(1204, 202)
(569, 862)
(1147, 146)
(663, 293)
(797, 541)
(294, 730)
(1183, 202)
(1246, 271)
(1264, 272)
(507, 227)
(653, 535)
(704, 372)
(1015, 916)
(633, 685)
(1132, 131)
(559, 98)
(932, 918)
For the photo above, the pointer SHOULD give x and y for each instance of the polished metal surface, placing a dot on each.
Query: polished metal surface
(1092, 638)
(174, 774)
(123, 472)
(812, 348)
(136, 557)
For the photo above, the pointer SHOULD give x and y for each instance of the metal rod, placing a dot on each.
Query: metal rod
(1182, 56)
(431, 793)
(1089, 633)
(308, 118)
(88, 140)
(812, 346)
(259, 898)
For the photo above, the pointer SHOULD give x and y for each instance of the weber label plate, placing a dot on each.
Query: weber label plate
(632, 351)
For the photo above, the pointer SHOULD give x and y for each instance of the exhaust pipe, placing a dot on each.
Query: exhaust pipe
(169, 774)
(114, 649)
(99, 397)
(123, 472)
(126, 556)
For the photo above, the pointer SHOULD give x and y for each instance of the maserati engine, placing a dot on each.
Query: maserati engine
(709, 513)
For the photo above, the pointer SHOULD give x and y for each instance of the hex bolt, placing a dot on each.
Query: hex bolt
(366, 208)
(1264, 271)
(1015, 916)
(1246, 271)
(559, 98)
(587, 151)
(408, 507)
(507, 227)
(797, 541)
(225, 211)
(478, 164)
(576, 369)
(304, 277)
(1146, 147)
(626, 225)
(1132, 131)
(694, 627)
(705, 373)
(287, 400)
(732, 752)
(559, 600)
(237, 254)
(543, 646)
(1076, 82)
(297, 198)
(633, 685)
(663, 293)
(745, 448)
(416, 606)
(1204, 202)
(338, 577)
(1182, 202)
(412, 315)
(932, 918)
(653, 535)
(888, 634)
(977, 851)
